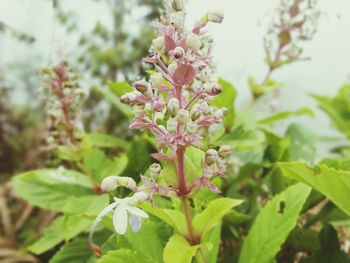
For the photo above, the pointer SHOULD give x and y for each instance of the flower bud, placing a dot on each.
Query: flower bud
(211, 156)
(225, 151)
(195, 114)
(109, 183)
(213, 90)
(178, 5)
(179, 53)
(158, 43)
(216, 16)
(219, 113)
(156, 80)
(158, 104)
(177, 19)
(173, 106)
(127, 98)
(171, 125)
(172, 67)
(191, 127)
(141, 86)
(155, 169)
(126, 182)
(203, 107)
(183, 116)
(193, 41)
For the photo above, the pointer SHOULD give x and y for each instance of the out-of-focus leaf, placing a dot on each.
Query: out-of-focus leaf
(273, 225)
(113, 99)
(259, 90)
(286, 114)
(105, 141)
(334, 184)
(63, 228)
(226, 99)
(90, 205)
(94, 161)
(119, 88)
(51, 189)
(179, 250)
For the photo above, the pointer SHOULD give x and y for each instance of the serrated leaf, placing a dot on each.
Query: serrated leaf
(213, 214)
(273, 225)
(178, 250)
(332, 183)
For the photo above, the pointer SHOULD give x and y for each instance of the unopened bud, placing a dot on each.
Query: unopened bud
(171, 125)
(155, 169)
(195, 114)
(183, 116)
(225, 151)
(216, 16)
(203, 107)
(178, 5)
(127, 98)
(177, 19)
(211, 156)
(179, 53)
(156, 80)
(172, 67)
(193, 41)
(126, 182)
(109, 183)
(141, 86)
(213, 90)
(219, 113)
(158, 43)
(191, 127)
(173, 106)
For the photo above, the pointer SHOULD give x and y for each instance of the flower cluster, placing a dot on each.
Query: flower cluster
(295, 21)
(63, 98)
(174, 105)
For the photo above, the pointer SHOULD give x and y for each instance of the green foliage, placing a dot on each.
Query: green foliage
(213, 213)
(337, 108)
(273, 224)
(260, 89)
(124, 255)
(178, 250)
(334, 184)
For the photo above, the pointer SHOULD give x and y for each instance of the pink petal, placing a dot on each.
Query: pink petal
(184, 74)
(169, 43)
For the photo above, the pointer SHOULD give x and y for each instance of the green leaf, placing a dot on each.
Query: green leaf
(334, 184)
(286, 114)
(124, 255)
(113, 99)
(273, 225)
(102, 140)
(90, 205)
(63, 228)
(213, 213)
(259, 90)
(174, 218)
(119, 88)
(94, 161)
(213, 237)
(76, 251)
(51, 189)
(178, 250)
(226, 99)
(147, 241)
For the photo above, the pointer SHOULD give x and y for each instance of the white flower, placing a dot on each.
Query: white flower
(110, 183)
(121, 209)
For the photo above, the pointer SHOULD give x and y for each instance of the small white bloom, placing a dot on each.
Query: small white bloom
(193, 41)
(121, 207)
(156, 80)
(158, 43)
(111, 183)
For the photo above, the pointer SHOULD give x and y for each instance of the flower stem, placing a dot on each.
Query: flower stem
(181, 170)
(186, 208)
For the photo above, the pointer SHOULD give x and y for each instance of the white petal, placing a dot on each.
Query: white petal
(120, 219)
(136, 211)
(99, 217)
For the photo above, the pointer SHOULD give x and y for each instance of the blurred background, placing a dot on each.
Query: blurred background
(104, 43)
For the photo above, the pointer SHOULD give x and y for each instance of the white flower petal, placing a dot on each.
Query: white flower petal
(120, 219)
(136, 211)
(99, 217)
